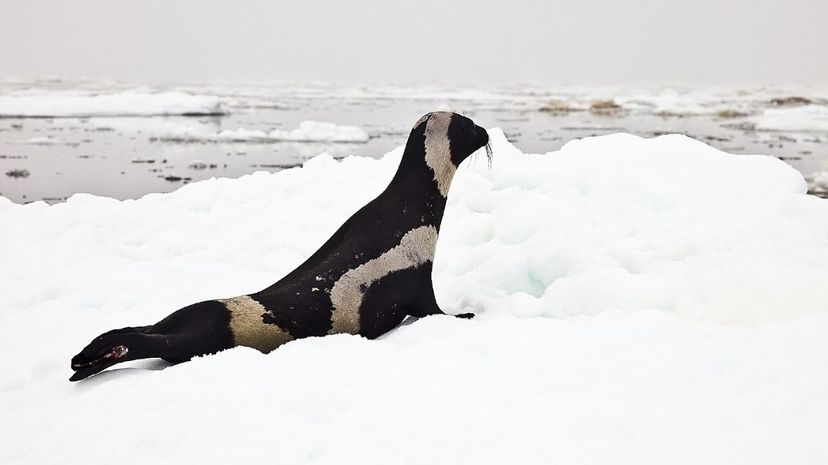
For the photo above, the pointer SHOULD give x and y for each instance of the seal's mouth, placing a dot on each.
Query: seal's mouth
(84, 369)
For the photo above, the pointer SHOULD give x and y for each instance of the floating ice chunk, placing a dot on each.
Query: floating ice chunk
(42, 140)
(241, 135)
(308, 131)
(314, 131)
(818, 182)
(807, 118)
(128, 103)
(152, 126)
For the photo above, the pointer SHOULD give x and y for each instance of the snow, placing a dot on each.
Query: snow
(639, 301)
(308, 131)
(125, 103)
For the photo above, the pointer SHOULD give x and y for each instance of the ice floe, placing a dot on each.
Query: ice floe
(126, 103)
(308, 131)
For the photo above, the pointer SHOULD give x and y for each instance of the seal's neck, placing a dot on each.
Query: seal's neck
(422, 180)
(426, 167)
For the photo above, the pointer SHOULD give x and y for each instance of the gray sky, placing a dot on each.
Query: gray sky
(745, 42)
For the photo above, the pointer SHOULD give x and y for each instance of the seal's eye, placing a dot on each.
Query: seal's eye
(117, 352)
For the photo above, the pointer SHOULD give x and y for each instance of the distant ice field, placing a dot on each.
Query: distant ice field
(126, 140)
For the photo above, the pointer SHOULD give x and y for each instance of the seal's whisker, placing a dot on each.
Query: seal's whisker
(489, 153)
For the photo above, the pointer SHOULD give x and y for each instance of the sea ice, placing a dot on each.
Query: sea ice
(126, 103)
(308, 131)
(808, 118)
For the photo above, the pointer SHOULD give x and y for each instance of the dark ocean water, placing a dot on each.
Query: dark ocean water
(51, 158)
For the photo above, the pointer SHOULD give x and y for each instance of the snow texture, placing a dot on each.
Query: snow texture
(646, 301)
(126, 103)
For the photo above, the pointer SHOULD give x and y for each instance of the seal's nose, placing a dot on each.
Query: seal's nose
(484, 136)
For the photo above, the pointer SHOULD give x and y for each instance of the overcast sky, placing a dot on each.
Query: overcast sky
(743, 42)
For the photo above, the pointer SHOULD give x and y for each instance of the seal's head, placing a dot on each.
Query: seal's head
(106, 350)
(449, 139)
(462, 135)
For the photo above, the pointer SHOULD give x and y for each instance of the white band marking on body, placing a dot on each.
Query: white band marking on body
(415, 248)
(248, 328)
(438, 151)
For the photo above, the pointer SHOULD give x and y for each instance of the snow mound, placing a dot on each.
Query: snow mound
(308, 131)
(638, 301)
(127, 103)
(625, 223)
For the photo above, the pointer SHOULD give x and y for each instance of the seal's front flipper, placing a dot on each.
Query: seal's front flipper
(428, 306)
